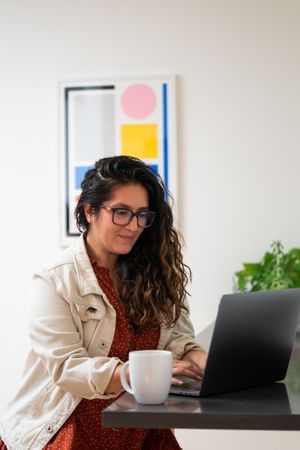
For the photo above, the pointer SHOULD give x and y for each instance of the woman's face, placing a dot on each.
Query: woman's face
(108, 239)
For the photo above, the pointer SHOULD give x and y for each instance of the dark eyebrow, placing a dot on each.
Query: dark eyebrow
(123, 205)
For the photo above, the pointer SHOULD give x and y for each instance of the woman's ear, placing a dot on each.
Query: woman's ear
(88, 212)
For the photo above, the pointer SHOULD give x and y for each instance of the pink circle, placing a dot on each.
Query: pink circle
(138, 101)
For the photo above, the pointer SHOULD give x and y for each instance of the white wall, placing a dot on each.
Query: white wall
(237, 63)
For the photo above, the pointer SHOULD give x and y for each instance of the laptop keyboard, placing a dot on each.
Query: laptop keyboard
(191, 388)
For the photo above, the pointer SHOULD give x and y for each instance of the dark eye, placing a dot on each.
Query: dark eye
(143, 214)
(122, 212)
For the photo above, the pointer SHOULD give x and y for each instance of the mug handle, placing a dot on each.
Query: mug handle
(124, 380)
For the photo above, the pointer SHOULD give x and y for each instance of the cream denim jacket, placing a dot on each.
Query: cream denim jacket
(71, 330)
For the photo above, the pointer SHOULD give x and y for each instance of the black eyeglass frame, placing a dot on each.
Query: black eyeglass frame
(138, 215)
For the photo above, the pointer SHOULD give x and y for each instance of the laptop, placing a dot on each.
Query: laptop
(251, 345)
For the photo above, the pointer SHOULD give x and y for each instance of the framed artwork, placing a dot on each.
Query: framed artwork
(126, 116)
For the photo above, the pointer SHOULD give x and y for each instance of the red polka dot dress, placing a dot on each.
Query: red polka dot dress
(83, 429)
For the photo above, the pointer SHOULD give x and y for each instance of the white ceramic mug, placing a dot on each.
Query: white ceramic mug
(150, 373)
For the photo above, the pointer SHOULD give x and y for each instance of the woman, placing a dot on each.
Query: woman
(120, 287)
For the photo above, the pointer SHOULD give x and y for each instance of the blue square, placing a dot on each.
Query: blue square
(79, 175)
(154, 168)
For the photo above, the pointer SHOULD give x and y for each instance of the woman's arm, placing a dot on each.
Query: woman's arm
(57, 341)
(189, 357)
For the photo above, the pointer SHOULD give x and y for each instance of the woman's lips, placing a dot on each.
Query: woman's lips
(127, 238)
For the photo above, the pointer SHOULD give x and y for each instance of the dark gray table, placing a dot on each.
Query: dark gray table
(272, 407)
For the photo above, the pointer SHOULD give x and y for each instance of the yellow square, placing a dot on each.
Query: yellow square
(139, 140)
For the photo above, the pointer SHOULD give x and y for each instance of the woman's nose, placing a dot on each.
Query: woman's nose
(133, 224)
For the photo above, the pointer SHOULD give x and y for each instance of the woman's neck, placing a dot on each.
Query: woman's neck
(102, 258)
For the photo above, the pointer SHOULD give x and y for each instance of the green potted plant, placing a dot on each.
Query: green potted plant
(276, 270)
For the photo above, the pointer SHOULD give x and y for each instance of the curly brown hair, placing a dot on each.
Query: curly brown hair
(152, 278)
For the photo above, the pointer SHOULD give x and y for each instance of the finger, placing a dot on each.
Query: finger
(179, 371)
(176, 382)
(185, 367)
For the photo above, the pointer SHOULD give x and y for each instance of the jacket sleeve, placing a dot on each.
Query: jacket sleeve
(181, 338)
(58, 343)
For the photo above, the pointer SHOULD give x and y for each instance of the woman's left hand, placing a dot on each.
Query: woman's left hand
(192, 365)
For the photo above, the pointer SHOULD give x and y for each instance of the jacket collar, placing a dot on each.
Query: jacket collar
(87, 281)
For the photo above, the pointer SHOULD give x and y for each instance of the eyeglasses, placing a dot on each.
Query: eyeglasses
(123, 216)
